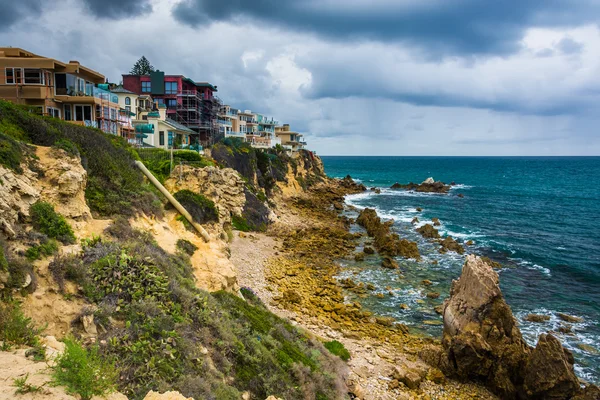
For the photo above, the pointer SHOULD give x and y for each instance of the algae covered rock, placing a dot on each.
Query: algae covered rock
(449, 244)
(389, 263)
(549, 372)
(428, 231)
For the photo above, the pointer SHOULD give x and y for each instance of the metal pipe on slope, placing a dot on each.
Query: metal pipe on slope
(173, 201)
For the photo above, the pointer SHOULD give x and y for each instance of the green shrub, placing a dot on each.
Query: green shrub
(19, 272)
(68, 146)
(71, 268)
(15, 327)
(338, 349)
(83, 371)
(23, 387)
(239, 223)
(50, 223)
(186, 246)
(202, 209)
(11, 153)
(45, 249)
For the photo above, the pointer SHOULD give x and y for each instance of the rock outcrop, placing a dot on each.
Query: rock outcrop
(223, 186)
(17, 194)
(427, 186)
(386, 242)
(482, 342)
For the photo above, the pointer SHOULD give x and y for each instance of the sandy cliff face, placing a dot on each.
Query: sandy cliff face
(17, 193)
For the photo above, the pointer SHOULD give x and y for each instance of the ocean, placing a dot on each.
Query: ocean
(538, 216)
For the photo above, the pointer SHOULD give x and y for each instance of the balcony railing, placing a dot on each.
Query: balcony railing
(224, 122)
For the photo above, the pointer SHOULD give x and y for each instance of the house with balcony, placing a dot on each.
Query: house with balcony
(189, 103)
(68, 91)
(291, 141)
(156, 129)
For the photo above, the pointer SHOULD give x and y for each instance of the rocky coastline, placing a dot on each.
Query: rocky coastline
(481, 353)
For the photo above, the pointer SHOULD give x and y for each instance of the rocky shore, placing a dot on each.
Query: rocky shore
(482, 353)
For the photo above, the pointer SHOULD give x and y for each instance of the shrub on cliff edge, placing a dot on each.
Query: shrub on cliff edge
(202, 209)
(50, 223)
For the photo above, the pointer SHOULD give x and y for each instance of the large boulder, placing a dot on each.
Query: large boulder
(549, 371)
(481, 337)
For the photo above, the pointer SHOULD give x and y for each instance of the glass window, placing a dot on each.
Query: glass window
(127, 101)
(146, 86)
(161, 138)
(128, 109)
(160, 101)
(81, 85)
(170, 87)
(78, 113)
(33, 76)
(87, 113)
(10, 76)
(67, 111)
(172, 103)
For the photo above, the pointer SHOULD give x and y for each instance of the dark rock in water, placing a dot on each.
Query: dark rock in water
(565, 328)
(414, 221)
(591, 392)
(428, 186)
(436, 221)
(433, 295)
(470, 243)
(426, 282)
(396, 186)
(389, 263)
(349, 183)
(549, 372)
(452, 183)
(569, 318)
(338, 206)
(482, 342)
(419, 209)
(449, 244)
(369, 250)
(461, 195)
(492, 263)
(359, 257)
(537, 318)
(428, 231)
(386, 242)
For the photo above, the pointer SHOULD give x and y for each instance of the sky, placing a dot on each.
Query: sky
(357, 77)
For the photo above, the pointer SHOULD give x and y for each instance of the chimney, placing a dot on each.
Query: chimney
(162, 110)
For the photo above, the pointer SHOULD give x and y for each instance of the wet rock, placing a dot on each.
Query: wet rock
(389, 263)
(439, 309)
(565, 328)
(385, 241)
(492, 263)
(436, 221)
(427, 186)
(591, 392)
(588, 348)
(549, 372)
(415, 221)
(449, 244)
(427, 282)
(419, 209)
(433, 295)
(569, 318)
(428, 231)
(370, 286)
(461, 195)
(470, 243)
(359, 257)
(369, 250)
(404, 306)
(537, 318)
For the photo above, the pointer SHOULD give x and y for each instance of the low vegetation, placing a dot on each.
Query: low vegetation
(165, 334)
(186, 246)
(23, 387)
(47, 221)
(15, 327)
(338, 349)
(44, 249)
(202, 209)
(11, 152)
(158, 161)
(115, 185)
(83, 371)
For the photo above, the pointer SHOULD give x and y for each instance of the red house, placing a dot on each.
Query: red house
(192, 104)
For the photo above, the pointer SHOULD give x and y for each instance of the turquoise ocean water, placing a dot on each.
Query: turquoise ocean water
(539, 216)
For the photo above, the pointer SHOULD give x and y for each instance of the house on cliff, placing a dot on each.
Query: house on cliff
(290, 140)
(65, 90)
(156, 129)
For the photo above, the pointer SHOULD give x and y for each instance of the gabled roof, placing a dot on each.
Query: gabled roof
(120, 89)
(178, 126)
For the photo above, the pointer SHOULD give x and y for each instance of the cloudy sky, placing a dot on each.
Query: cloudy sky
(357, 77)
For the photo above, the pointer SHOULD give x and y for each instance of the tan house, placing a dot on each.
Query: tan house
(289, 140)
(155, 129)
(68, 91)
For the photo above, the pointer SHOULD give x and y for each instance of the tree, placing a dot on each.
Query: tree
(142, 67)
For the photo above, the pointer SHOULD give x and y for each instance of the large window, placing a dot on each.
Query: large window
(13, 75)
(83, 113)
(146, 86)
(172, 103)
(127, 101)
(170, 87)
(33, 76)
(67, 111)
(54, 112)
(161, 138)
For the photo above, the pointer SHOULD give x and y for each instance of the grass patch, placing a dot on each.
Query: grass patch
(202, 209)
(83, 371)
(68, 146)
(23, 387)
(15, 327)
(338, 349)
(239, 223)
(50, 223)
(186, 246)
(39, 251)
(11, 153)
(158, 161)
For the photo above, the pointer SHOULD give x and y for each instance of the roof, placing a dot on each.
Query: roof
(206, 84)
(120, 89)
(178, 126)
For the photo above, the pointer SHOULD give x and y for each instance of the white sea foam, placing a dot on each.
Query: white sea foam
(544, 270)
(461, 186)
(561, 248)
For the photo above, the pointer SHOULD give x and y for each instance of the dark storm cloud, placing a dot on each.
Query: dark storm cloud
(12, 11)
(439, 27)
(118, 9)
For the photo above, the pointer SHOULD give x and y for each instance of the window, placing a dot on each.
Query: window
(10, 76)
(161, 138)
(172, 103)
(128, 109)
(87, 113)
(67, 111)
(53, 112)
(81, 85)
(170, 87)
(127, 101)
(146, 87)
